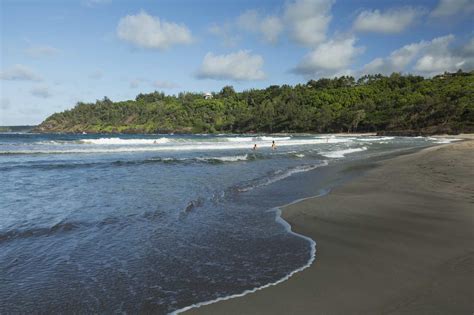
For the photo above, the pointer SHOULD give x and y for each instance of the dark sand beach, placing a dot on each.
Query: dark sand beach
(399, 239)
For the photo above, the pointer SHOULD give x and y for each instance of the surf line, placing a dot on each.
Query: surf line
(287, 226)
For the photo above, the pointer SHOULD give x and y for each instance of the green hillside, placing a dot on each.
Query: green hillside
(398, 103)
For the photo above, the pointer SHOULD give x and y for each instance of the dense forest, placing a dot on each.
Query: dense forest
(404, 104)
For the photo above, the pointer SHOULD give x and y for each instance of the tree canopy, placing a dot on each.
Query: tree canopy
(398, 103)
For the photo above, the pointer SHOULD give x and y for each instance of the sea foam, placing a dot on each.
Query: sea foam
(342, 153)
(120, 141)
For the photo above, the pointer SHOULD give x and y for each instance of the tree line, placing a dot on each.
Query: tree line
(405, 104)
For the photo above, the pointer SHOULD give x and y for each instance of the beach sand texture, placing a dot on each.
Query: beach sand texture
(399, 240)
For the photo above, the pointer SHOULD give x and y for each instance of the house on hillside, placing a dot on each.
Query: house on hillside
(207, 96)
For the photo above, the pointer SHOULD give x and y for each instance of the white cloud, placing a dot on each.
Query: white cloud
(451, 7)
(438, 57)
(389, 22)
(165, 85)
(308, 20)
(41, 91)
(248, 20)
(147, 31)
(226, 33)
(425, 57)
(238, 66)
(397, 61)
(437, 64)
(269, 27)
(41, 51)
(329, 58)
(19, 73)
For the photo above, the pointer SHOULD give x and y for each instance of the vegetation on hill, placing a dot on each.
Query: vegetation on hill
(395, 103)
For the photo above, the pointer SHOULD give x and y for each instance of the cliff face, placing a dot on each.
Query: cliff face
(404, 105)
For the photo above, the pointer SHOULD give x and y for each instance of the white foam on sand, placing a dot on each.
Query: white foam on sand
(287, 227)
(443, 140)
(284, 174)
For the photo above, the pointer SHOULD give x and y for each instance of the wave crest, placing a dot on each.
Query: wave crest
(342, 153)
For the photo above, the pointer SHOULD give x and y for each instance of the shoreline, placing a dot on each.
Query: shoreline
(278, 218)
(292, 217)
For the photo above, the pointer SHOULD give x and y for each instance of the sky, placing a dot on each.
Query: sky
(56, 53)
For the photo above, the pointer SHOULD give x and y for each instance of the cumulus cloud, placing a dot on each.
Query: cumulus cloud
(389, 22)
(269, 27)
(439, 57)
(447, 8)
(397, 61)
(330, 58)
(165, 85)
(308, 20)
(144, 30)
(426, 58)
(41, 51)
(41, 91)
(238, 66)
(19, 72)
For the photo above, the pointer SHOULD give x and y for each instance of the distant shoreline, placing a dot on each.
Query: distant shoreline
(397, 239)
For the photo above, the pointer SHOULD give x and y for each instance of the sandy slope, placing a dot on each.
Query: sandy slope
(398, 240)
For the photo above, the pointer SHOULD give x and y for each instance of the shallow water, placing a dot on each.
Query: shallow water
(154, 223)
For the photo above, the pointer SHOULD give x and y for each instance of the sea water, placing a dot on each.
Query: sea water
(157, 223)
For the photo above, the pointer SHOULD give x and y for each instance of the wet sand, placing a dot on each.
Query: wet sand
(398, 240)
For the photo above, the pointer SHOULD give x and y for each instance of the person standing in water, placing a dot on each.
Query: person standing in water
(274, 145)
(254, 147)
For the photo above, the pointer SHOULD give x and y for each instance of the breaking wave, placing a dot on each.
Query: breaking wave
(120, 141)
(278, 175)
(342, 153)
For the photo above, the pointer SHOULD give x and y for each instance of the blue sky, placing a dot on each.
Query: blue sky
(56, 53)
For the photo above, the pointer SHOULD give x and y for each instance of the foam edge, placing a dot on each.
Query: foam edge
(287, 227)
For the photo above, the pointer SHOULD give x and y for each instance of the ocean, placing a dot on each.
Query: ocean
(159, 223)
